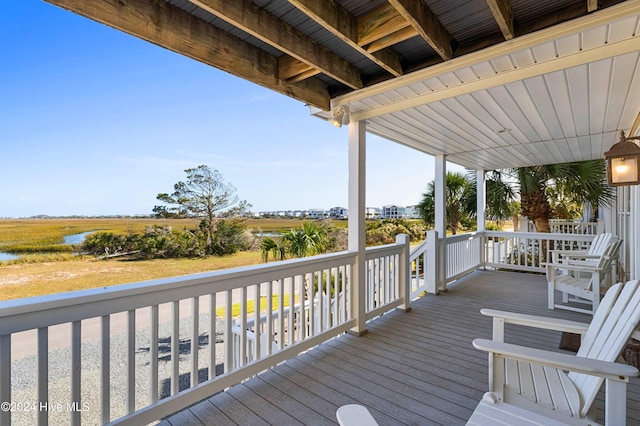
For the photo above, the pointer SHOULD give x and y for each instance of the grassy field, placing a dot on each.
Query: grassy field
(34, 279)
(55, 273)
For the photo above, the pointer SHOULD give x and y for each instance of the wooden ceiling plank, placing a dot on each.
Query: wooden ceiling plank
(344, 25)
(426, 24)
(391, 39)
(503, 14)
(167, 26)
(380, 23)
(247, 16)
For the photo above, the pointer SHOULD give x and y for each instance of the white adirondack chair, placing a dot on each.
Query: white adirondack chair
(596, 249)
(530, 387)
(584, 279)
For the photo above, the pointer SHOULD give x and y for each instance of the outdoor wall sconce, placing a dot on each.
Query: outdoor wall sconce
(340, 116)
(622, 162)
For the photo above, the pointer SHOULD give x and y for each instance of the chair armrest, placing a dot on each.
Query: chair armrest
(582, 256)
(538, 321)
(355, 415)
(573, 266)
(560, 251)
(568, 362)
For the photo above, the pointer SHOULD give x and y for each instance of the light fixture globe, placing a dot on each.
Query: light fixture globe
(623, 160)
(340, 116)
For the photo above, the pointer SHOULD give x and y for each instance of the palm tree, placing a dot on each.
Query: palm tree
(269, 245)
(310, 239)
(500, 196)
(583, 182)
(460, 201)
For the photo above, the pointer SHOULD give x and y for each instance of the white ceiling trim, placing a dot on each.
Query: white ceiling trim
(537, 69)
(602, 17)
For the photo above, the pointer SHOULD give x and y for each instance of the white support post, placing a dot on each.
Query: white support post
(356, 222)
(524, 224)
(441, 217)
(431, 272)
(404, 273)
(481, 200)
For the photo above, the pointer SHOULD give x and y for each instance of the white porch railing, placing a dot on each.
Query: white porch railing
(568, 227)
(297, 304)
(418, 264)
(464, 253)
(524, 251)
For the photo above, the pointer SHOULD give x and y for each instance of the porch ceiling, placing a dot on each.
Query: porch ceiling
(489, 83)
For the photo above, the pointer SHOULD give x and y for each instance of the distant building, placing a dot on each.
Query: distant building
(392, 212)
(412, 212)
(372, 213)
(338, 213)
(317, 214)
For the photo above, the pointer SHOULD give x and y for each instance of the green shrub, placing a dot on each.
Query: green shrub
(385, 231)
(163, 242)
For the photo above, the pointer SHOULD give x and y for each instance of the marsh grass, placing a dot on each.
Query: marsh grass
(60, 271)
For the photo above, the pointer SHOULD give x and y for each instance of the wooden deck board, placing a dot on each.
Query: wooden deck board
(411, 368)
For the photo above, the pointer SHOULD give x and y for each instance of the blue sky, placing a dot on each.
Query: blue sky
(96, 122)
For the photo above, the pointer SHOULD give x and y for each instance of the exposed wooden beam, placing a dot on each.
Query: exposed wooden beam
(379, 23)
(592, 5)
(292, 69)
(343, 25)
(391, 39)
(426, 24)
(250, 18)
(503, 15)
(167, 26)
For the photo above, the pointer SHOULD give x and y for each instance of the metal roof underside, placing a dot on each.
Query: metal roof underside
(488, 83)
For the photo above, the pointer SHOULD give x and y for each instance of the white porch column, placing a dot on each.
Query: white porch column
(356, 224)
(481, 199)
(481, 202)
(441, 217)
(634, 240)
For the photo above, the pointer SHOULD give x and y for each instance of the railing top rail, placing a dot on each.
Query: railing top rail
(542, 235)
(383, 250)
(462, 237)
(418, 250)
(42, 311)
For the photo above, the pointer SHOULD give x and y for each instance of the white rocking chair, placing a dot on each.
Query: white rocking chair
(530, 387)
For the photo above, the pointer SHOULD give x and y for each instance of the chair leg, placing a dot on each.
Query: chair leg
(551, 300)
(595, 293)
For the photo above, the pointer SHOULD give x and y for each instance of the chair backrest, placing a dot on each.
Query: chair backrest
(600, 243)
(616, 318)
(609, 254)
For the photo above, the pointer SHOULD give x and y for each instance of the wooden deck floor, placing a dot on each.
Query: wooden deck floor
(416, 368)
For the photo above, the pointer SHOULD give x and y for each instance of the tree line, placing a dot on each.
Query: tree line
(538, 192)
